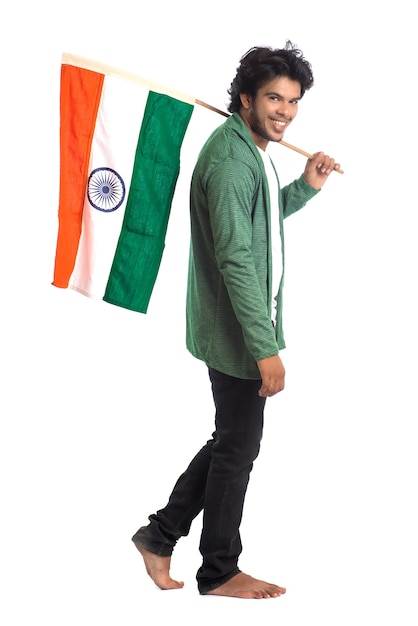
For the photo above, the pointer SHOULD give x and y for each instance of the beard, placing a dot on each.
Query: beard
(258, 127)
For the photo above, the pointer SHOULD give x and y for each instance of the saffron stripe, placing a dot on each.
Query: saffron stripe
(79, 102)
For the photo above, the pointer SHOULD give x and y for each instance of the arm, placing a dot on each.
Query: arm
(317, 169)
(230, 189)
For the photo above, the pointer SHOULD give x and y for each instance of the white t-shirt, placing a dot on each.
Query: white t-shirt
(276, 240)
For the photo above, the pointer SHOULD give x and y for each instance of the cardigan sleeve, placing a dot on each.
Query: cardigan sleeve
(294, 196)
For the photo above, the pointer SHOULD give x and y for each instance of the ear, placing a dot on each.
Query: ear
(246, 100)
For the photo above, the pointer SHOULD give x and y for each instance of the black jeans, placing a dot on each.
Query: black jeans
(216, 481)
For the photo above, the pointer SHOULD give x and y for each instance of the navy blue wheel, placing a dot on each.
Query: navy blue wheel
(105, 189)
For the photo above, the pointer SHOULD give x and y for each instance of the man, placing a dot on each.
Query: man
(234, 314)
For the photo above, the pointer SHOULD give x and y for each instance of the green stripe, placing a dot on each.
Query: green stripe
(156, 169)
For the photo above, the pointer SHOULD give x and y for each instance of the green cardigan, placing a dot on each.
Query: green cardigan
(229, 281)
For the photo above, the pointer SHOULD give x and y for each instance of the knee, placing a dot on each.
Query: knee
(235, 456)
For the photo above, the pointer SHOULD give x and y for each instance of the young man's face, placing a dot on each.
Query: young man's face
(271, 111)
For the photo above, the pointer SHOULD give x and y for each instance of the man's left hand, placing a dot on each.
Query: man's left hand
(318, 168)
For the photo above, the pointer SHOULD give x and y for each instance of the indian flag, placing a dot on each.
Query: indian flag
(120, 141)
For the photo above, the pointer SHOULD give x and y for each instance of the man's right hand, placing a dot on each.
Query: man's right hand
(272, 376)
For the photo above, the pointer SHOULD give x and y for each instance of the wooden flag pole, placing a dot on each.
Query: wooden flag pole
(282, 143)
(288, 145)
(209, 106)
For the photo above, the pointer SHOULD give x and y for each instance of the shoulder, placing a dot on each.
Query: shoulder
(230, 146)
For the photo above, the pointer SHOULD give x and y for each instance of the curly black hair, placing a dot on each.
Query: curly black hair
(261, 64)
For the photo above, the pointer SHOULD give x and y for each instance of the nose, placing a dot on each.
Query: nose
(283, 108)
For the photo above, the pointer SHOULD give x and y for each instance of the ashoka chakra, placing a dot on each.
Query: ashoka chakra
(105, 189)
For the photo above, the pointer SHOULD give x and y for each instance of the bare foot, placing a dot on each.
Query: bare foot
(244, 586)
(158, 568)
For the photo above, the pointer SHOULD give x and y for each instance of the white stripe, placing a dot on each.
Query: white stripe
(115, 139)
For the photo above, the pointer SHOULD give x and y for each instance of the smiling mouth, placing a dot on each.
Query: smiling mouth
(279, 124)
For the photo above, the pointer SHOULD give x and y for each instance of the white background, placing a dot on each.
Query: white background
(102, 408)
